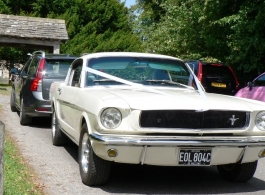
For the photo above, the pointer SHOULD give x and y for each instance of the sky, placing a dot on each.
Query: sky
(129, 3)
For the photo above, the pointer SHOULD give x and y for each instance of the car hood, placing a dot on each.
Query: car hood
(148, 98)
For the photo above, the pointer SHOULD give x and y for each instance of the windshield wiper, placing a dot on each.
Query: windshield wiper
(168, 82)
(105, 80)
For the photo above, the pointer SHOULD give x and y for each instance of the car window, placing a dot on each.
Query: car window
(33, 66)
(259, 81)
(222, 72)
(147, 71)
(25, 68)
(76, 72)
(57, 67)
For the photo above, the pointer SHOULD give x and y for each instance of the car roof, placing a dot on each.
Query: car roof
(42, 54)
(127, 54)
(60, 56)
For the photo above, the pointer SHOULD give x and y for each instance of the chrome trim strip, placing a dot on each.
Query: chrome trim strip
(241, 156)
(143, 155)
(177, 141)
(46, 112)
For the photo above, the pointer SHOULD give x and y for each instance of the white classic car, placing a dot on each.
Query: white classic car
(150, 109)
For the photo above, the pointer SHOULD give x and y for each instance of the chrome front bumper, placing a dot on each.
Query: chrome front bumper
(178, 141)
(165, 150)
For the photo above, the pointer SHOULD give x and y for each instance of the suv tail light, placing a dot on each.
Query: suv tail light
(237, 83)
(200, 72)
(36, 84)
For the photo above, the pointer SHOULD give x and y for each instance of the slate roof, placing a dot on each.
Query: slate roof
(32, 27)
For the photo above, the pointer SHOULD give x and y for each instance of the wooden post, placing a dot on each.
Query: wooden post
(2, 151)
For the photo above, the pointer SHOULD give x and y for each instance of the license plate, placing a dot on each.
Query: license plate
(195, 157)
(221, 85)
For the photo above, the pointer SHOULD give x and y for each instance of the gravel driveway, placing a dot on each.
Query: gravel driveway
(58, 171)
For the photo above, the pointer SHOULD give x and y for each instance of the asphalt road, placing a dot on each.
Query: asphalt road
(58, 171)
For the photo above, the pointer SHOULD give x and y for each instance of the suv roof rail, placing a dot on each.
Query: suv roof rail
(39, 52)
(205, 62)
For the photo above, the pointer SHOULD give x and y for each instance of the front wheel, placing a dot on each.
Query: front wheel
(58, 137)
(24, 119)
(93, 170)
(238, 172)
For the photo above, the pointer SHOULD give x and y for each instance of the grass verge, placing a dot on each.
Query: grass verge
(19, 179)
(5, 89)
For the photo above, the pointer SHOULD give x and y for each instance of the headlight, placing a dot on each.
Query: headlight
(111, 118)
(260, 121)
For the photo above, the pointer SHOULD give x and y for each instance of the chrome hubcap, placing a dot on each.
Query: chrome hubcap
(85, 153)
(21, 108)
(53, 123)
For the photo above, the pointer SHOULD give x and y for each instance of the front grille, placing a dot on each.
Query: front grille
(190, 119)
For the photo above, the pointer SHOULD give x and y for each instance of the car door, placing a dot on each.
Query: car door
(69, 111)
(257, 90)
(20, 81)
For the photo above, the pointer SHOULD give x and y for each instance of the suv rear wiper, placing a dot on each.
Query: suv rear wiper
(168, 82)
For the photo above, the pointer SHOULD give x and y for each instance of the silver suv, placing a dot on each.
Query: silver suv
(30, 89)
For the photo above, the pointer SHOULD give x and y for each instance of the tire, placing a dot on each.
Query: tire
(58, 137)
(12, 101)
(93, 170)
(238, 172)
(24, 119)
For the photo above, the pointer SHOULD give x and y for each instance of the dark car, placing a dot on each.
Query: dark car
(215, 77)
(30, 89)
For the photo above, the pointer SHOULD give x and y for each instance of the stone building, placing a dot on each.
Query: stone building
(31, 32)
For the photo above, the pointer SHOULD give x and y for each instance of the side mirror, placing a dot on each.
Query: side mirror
(250, 85)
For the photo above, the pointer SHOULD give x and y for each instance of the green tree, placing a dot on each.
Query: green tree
(229, 31)
(247, 42)
(178, 32)
(4, 9)
(92, 25)
(104, 28)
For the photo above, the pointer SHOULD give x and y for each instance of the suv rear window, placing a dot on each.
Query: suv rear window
(57, 67)
(222, 72)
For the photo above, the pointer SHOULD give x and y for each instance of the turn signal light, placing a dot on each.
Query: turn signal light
(262, 153)
(112, 152)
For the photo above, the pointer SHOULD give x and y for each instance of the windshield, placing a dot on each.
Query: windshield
(145, 71)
